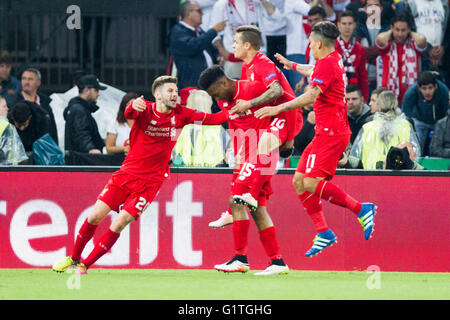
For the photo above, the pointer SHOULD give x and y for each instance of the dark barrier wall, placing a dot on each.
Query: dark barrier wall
(41, 211)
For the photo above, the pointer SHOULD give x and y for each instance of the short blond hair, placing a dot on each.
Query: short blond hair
(387, 101)
(161, 80)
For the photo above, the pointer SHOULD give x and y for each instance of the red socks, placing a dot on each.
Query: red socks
(85, 234)
(314, 209)
(330, 192)
(269, 241)
(105, 243)
(240, 236)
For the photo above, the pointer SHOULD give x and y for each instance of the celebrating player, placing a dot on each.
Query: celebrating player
(319, 160)
(245, 131)
(284, 127)
(136, 183)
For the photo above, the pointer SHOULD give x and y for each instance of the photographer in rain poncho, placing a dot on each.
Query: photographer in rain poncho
(388, 141)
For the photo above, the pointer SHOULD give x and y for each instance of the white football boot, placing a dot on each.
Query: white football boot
(224, 220)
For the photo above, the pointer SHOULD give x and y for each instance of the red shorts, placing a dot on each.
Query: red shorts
(320, 158)
(266, 189)
(134, 193)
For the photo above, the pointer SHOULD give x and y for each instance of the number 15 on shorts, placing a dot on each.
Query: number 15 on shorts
(310, 162)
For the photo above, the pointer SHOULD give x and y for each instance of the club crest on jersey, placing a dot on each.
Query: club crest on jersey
(153, 122)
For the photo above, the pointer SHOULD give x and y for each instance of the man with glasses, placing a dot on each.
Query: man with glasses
(190, 46)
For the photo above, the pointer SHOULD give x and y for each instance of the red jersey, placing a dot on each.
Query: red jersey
(330, 107)
(245, 128)
(263, 69)
(153, 136)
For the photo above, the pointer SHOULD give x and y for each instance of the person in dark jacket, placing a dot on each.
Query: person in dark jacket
(426, 102)
(30, 83)
(31, 122)
(8, 83)
(81, 130)
(190, 46)
(440, 143)
(357, 111)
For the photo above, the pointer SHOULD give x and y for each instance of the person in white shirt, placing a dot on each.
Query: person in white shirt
(118, 133)
(430, 17)
(238, 13)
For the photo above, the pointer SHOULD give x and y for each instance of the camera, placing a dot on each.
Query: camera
(398, 159)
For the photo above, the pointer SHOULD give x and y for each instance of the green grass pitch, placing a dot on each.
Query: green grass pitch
(149, 284)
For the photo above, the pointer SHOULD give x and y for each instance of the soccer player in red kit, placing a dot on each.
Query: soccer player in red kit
(319, 160)
(152, 138)
(245, 131)
(283, 128)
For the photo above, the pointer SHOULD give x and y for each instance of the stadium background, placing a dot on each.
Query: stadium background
(125, 44)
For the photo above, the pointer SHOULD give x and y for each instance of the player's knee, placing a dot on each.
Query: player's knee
(310, 184)
(99, 212)
(297, 182)
(121, 221)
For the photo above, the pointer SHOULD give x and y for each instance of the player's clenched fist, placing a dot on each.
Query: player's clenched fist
(139, 104)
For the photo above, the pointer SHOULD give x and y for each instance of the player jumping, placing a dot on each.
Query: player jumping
(136, 183)
(245, 132)
(283, 128)
(318, 162)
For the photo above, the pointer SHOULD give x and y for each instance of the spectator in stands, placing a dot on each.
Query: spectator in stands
(237, 13)
(430, 17)
(446, 57)
(387, 129)
(197, 145)
(8, 83)
(440, 142)
(206, 6)
(353, 54)
(426, 102)
(190, 46)
(31, 121)
(118, 132)
(358, 111)
(296, 38)
(11, 148)
(374, 108)
(371, 18)
(273, 27)
(307, 132)
(400, 50)
(315, 15)
(30, 83)
(81, 130)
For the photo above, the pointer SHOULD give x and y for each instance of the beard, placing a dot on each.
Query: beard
(169, 103)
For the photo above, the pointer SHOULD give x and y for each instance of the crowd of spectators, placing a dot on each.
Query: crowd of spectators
(391, 50)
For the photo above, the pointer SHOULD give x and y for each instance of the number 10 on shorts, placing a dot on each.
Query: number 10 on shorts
(310, 162)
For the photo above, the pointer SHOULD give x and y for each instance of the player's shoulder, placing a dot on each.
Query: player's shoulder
(247, 88)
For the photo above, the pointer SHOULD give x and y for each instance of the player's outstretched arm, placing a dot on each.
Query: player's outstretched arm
(273, 92)
(304, 69)
(305, 99)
